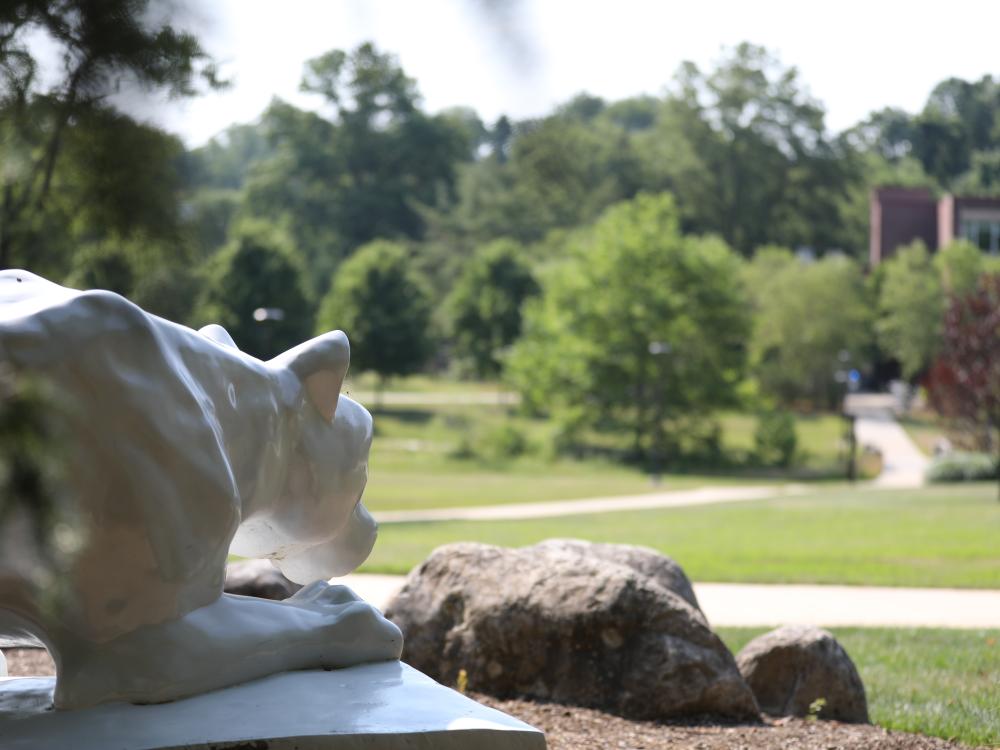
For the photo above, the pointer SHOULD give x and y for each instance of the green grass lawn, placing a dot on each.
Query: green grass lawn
(946, 535)
(447, 455)
(819, 438)
(938, 682)
(413, 463)
(366, 383)
(408, 481)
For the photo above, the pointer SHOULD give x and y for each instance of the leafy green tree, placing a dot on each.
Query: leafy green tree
(223, 162)
(774, 438)
(212, 213)
(911, 303)
(485, 305)
(255, 290)
(101, 47)
(809, 317)
(168, 291)
(640, 329)
(960, 264)
(382, 308)
(102, 266)
(150, 273)
(746, 152)
(873, 169)
(955, 137)
(98, 195)
(983, 177)
(548, 175)
(364, 168)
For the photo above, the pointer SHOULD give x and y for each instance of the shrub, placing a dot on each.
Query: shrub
(962, 467)
(505, 441)
(775, 439)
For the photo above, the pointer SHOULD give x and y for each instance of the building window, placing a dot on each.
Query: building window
(984, 234)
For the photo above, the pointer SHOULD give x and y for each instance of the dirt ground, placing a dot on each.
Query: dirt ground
(571, 728)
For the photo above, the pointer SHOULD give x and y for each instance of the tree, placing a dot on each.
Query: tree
(170, 292)
(964, 383)
(809, 318)
(102, 266)
(640, 329)
(362, 169)
(485, 305)
(745, 150)
(552, 174)
(910, 303)
(382, 308)
(101, 47)
(254, 289)
(960, 264)
(955, 138)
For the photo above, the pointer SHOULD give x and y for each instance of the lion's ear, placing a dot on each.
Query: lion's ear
(321, 364)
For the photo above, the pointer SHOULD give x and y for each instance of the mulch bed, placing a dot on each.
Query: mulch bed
(572, 728)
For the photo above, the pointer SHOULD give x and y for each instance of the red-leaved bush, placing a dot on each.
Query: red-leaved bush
(964, 382)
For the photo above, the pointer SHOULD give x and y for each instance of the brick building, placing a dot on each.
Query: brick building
(901, 215)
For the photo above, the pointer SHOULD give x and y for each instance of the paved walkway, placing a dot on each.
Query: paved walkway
(770, 605)
(903, 464)
(444, 398)
(651, 501)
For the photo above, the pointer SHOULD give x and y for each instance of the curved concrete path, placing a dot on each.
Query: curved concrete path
(553, 508)
(770, 605)
(903, 464)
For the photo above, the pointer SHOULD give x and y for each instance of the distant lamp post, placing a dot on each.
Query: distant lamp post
(268, 313)
(851, 380)
(659, 349)
(267, 318)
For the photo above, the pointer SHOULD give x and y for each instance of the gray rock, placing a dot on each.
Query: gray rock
(791, 667)
(645, 561)
(258, 578)
(561, 622)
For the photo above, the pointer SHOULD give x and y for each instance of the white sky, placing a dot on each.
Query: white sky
(854, 56)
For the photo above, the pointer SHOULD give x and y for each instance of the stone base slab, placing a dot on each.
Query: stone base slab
(385, 706)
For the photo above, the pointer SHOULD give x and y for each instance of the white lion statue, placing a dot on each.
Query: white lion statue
(186, 449)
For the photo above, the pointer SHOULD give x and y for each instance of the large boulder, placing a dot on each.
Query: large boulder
(258, 578)
(645, 561)
(563, 621)
(790, 669)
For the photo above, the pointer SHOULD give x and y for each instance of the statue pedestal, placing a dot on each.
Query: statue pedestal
(383, 706)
